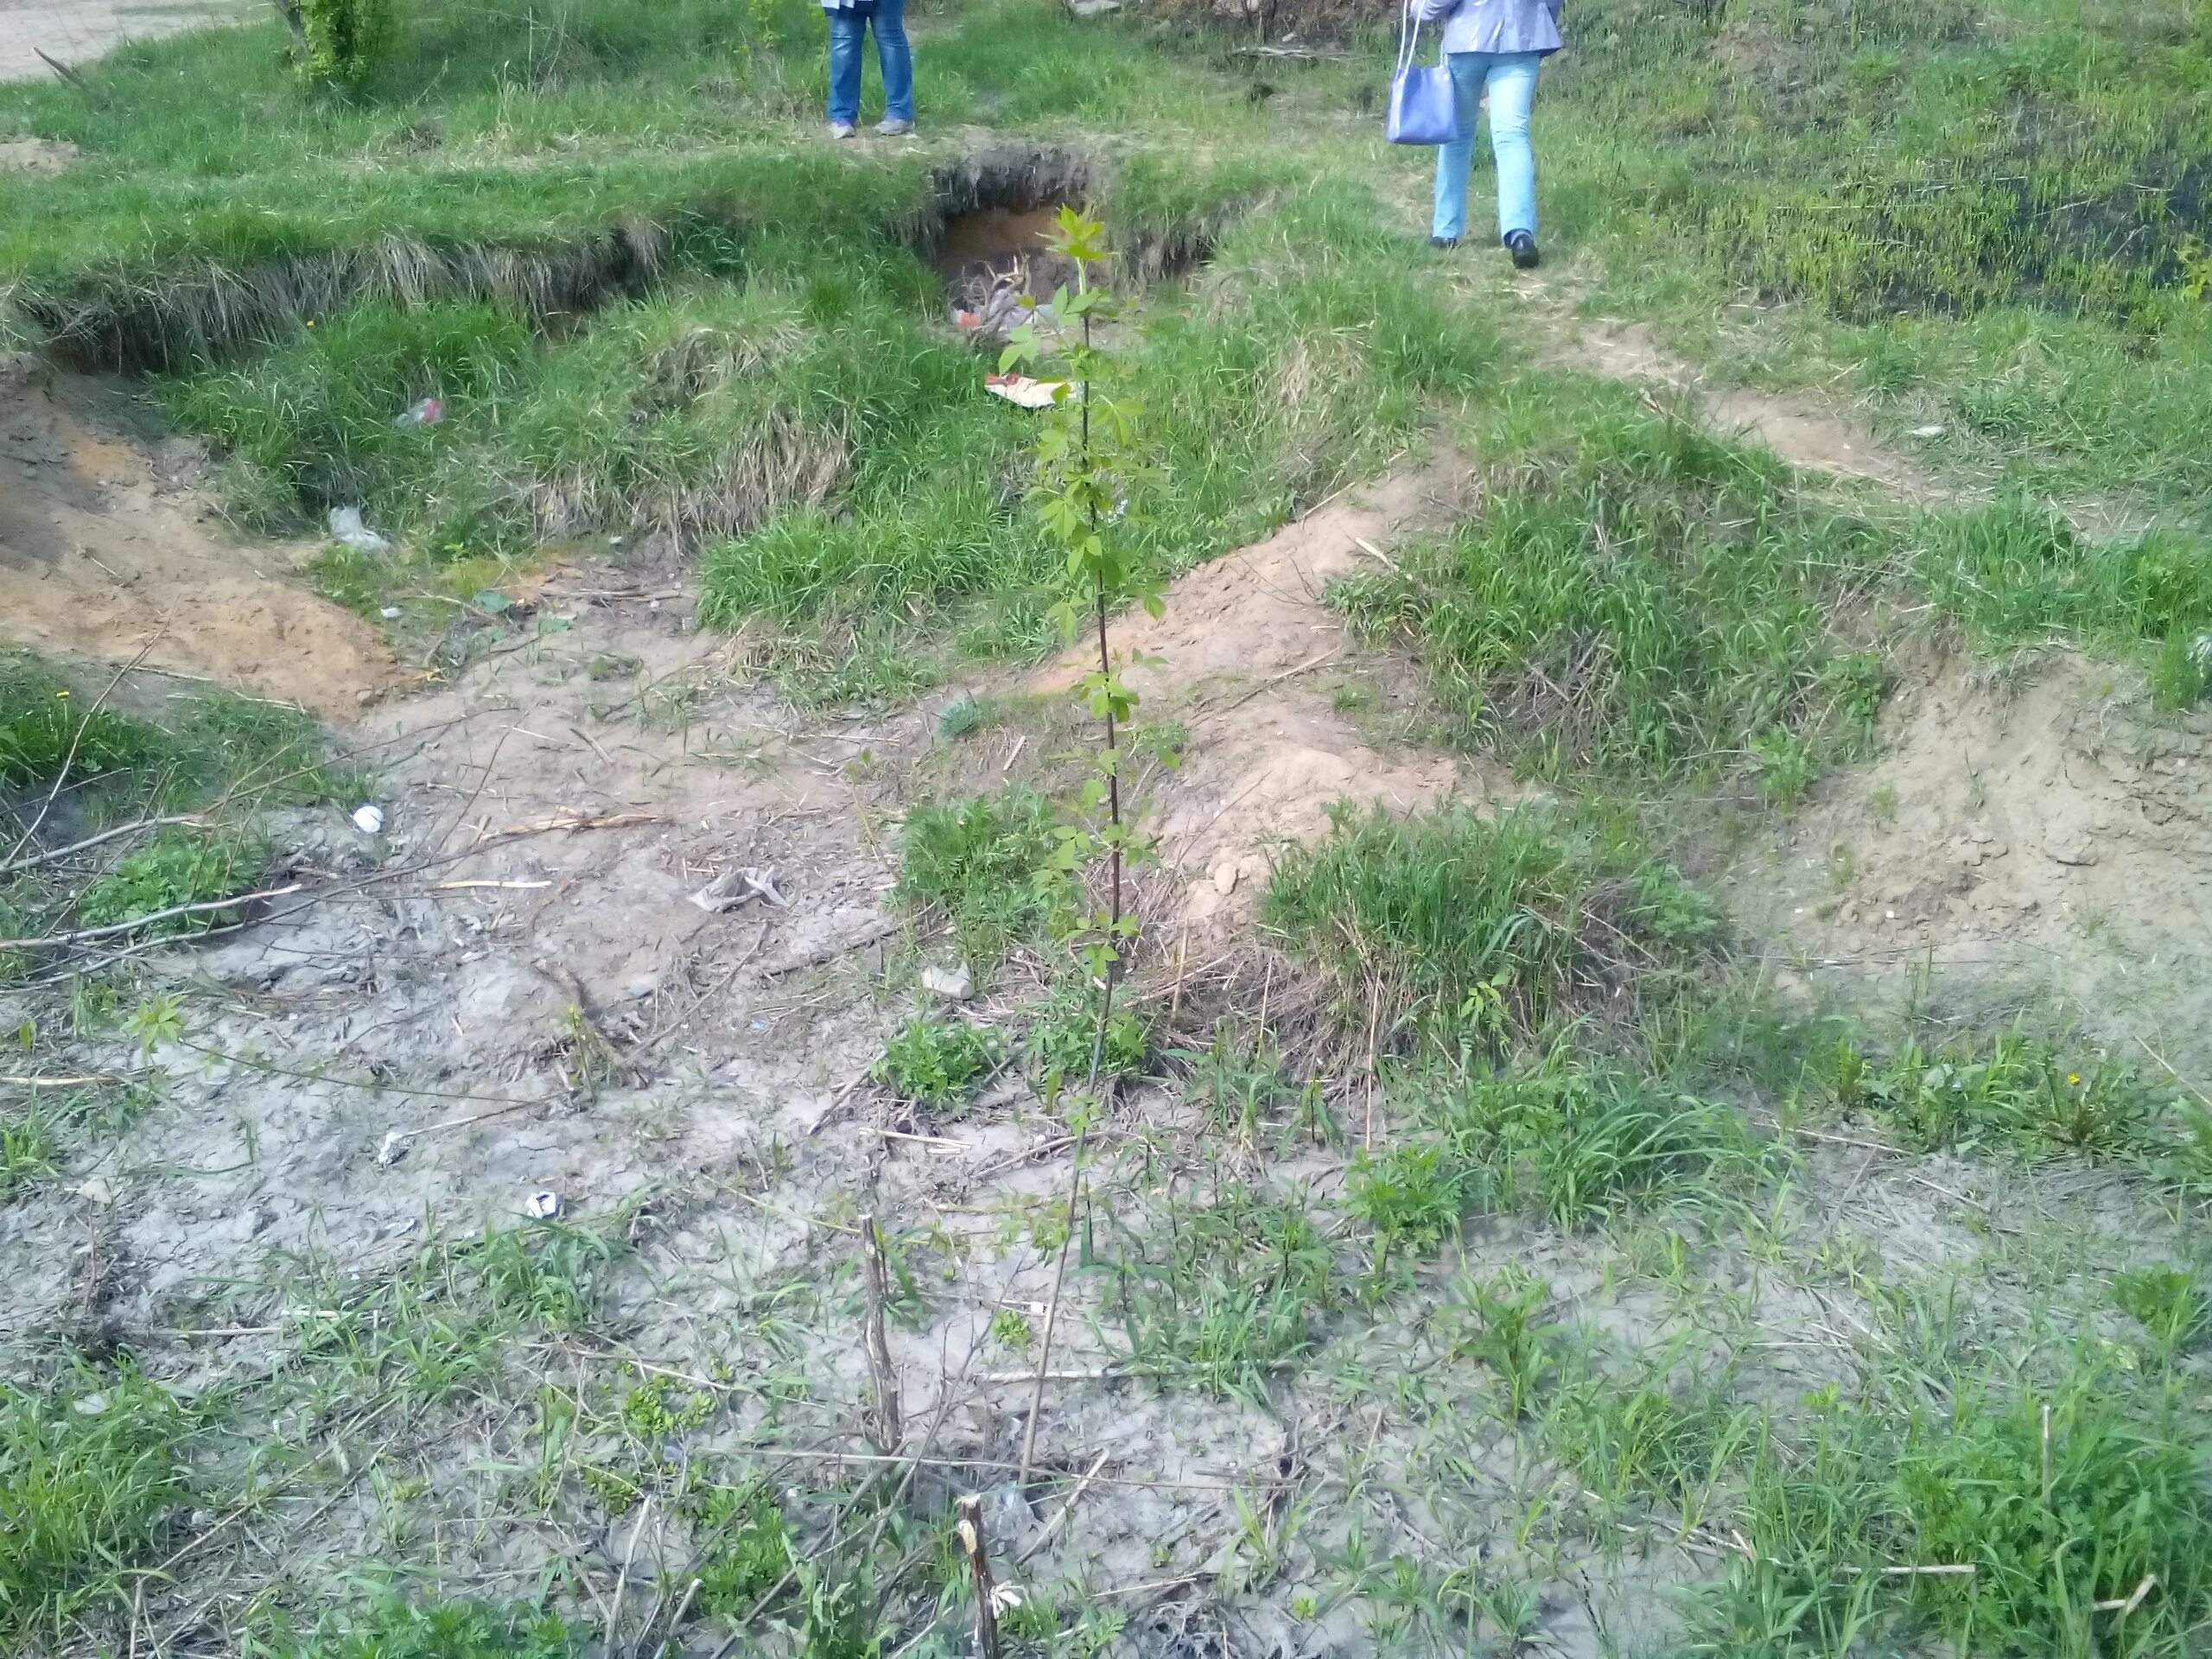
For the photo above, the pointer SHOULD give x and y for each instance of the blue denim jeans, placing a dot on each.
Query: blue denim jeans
(1510, 79)
(846, 26)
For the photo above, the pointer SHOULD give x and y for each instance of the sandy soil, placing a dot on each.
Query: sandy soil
(1252, 661)
(107, 556)
(2024, 839)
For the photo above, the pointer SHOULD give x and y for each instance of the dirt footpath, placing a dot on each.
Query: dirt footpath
(79, 31)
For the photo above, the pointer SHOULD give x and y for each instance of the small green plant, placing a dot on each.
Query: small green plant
(182, 867)
(1409, 1195)
(29, 1152)
(2170, 1305)
(963, 718)
(341, 40)
(1066, 1037)
(744, 1549)
(1507, 1334)
(1785, 768)
(985, 863)
(937, 1062)
(93, 1478)
(1011, 1330)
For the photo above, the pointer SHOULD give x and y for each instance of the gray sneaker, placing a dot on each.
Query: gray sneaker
(891, 127)
(841, 128)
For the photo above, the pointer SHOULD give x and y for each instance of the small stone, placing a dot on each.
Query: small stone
(954, 984)
(250, 1222)
(641, 988)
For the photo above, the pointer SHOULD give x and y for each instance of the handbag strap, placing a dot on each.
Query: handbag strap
(1409, 34)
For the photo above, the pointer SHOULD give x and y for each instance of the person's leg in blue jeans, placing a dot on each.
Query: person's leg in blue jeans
(1449, 222)
(847, 29)
(898, 62)
(1511, 83)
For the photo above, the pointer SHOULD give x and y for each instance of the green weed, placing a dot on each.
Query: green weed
(2170, 1305)
(937, 1063)
(985, 865)
(1230, 1298)
(1448, 919)
(744, 1547)
(2014, 1092)
(1653, 601)
(1065, 1035)
(179, 866)
(92, 1477)
(391, 1629)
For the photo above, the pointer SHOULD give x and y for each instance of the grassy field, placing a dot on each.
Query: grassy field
(1598, 1296)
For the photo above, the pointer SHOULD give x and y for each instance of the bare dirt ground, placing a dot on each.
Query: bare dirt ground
(2026, 836)
(79, 31)
(510, 993)
(1253, 663)
(107, 554)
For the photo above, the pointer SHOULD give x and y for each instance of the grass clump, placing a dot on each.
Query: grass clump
(2012, 1091)
(179, 866)
(2053, 1523)
(1457, 924)
(2016, 573)
(937, 1063)
(985, 865)
(1229, 1298)
(389, 1628)
(1577, 1143)
(93, 1475)
(1653, 602)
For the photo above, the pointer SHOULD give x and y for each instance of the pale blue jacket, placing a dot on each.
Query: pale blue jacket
(1495, 25)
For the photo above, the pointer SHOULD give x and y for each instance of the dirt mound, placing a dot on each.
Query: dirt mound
(103, 555)
(1255, 665)
(2048, 842)
(41, 157)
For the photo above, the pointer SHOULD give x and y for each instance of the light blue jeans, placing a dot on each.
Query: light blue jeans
(1510, 79)
(847, 26)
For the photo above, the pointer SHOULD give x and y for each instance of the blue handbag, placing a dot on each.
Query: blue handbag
(1424, 104)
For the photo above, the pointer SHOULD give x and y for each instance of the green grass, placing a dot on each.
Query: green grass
(985, 865)
(1988, 216)
(177, 867)
(1483, 925)
(1639, 597)
(1577, 1144)
(937, 1063)
(2016, 572)
(2009, 1091)
(1865, 1487)
(92, 1473)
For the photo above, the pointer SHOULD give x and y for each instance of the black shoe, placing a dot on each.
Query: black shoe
(1522, 247)
(1443, 241)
